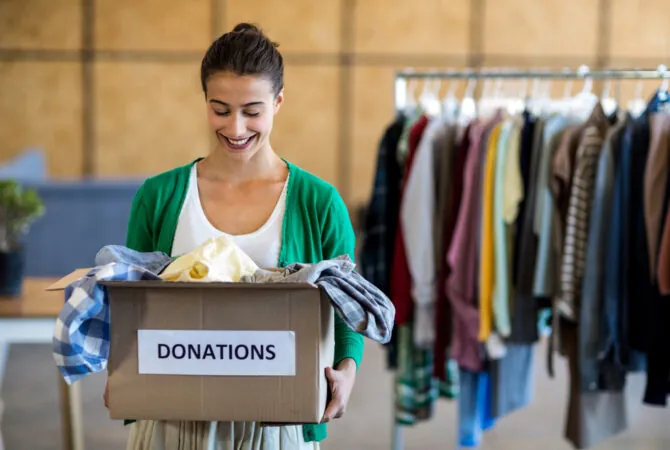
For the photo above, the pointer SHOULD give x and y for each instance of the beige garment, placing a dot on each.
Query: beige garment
(159, 435)
(217, 259)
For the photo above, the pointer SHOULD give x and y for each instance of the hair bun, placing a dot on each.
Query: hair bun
(242, 27)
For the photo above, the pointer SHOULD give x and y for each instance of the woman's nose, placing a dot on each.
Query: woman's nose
(236, 127)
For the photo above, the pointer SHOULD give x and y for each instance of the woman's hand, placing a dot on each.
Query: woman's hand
(341, 382)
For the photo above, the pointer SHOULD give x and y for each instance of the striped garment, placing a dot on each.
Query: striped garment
(577, 222)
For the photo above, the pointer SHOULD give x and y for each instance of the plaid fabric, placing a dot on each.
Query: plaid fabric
(359, 303)
(382, 213)
(81, 333)
(415, 387)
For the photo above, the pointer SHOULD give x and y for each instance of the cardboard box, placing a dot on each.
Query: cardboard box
(218, 351)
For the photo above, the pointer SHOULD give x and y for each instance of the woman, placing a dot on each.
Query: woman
(276, 212)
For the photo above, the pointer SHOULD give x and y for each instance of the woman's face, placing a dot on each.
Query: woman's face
(240, 111)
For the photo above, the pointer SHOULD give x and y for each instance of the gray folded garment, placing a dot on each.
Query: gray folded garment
(154, 262)
(362, 306)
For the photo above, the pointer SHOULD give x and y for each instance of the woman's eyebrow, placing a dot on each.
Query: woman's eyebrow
(226, 104)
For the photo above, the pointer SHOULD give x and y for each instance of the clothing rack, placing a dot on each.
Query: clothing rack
(402, 77)
(583, 72)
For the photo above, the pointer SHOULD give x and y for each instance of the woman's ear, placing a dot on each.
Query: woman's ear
(279, 99)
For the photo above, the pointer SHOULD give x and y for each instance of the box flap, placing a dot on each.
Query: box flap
(67, 279)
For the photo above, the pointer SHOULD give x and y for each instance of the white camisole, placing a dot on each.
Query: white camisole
(193, 228)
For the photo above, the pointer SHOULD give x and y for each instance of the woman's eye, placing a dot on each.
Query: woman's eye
(221, 113)
(252, 114)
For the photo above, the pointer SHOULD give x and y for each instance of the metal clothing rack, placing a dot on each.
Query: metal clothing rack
(583, 73)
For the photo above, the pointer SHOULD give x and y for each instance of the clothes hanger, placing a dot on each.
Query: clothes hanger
(428, 99)
(450, 103)
(468, 109)
(584, 102)
(637, 104)
(608, 103)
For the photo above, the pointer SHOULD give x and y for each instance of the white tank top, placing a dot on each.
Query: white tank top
(193, 228)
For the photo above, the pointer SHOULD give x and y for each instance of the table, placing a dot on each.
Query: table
(30, 319)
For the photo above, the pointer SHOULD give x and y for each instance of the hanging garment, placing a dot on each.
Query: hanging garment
(474, 408)
(443, 334)
(595, 371)
(417, 215)
(664, 258)
(381, 217)
(578, 214)
(526, 306)
(361, 305)
(416, 389)
(461, 256)
(379, 227)
(545, 284)
(508, 192)
(445, 153)
(655, 180)
(487, 275)
(401, 290)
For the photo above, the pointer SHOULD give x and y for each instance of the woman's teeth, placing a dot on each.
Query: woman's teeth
(239, 141)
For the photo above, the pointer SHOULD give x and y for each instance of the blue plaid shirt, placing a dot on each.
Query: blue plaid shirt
(81, 334)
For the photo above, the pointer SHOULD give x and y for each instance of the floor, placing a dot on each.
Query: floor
(31, 421)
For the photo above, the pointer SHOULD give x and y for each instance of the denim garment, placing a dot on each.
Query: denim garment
(154, 262)
(474, 407)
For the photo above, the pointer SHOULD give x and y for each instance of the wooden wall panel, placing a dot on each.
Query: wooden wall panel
(306, 127)
(298, 25)
(546, 28)
(373, 111)
(400, 26)
(170, 25)
(41, 107)
(150, 117)
(640, 29)
(40, 24)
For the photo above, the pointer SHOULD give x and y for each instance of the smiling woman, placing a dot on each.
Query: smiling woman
(276, 212)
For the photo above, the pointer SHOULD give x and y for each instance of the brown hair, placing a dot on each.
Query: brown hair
(244, 51)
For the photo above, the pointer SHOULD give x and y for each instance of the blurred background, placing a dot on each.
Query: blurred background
(96, 95)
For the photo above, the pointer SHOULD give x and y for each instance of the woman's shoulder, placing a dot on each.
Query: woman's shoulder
(166, 182)
(309, 186)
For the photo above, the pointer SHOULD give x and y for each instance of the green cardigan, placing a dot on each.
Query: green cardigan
(316, 227)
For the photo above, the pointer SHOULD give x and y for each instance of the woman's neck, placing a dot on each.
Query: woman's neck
(220, 166)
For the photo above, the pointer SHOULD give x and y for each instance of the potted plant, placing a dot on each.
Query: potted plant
(19, 208)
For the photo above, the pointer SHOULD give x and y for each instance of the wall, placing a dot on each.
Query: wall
(110, 88)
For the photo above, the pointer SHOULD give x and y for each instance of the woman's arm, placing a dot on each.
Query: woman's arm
(338, 239)
(138, 235)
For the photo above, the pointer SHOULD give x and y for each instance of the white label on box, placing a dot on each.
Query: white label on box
(214, 352)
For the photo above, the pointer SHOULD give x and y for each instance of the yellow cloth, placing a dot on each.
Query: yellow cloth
(487, 249)
(217, 259)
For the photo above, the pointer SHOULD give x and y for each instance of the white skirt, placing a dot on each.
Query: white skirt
(162, 435)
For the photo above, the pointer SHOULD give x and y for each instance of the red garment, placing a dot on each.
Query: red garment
(443, 319)
(401, 280)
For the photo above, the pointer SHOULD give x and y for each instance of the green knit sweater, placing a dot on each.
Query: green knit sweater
(316, 227)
